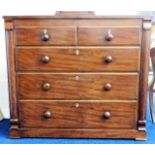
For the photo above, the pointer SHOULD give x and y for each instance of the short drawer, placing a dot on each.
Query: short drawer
(109, 36)
(70, 114)
(77, 86)
(81, 59)
(47, 36)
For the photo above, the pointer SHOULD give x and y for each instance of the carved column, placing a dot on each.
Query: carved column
(12, 81)
(143, 86)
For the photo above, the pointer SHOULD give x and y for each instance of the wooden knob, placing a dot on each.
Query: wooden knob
(107, 87)
(45, 59)
(45, 36)
(108, 59)
(47, 114)
(107, 115)
(46, 86)
(109, 36)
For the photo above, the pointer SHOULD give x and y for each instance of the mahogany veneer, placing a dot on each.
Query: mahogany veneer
(78, 75)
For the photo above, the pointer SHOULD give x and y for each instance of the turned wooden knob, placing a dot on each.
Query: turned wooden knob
(47, 114)
(109, 36)
(108, 59)
(107, 87)
(45, 59)
(45, 36)
(107, 115)
(46, 86)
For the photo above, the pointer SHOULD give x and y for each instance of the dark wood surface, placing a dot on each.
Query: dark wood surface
(78, 115)
(11, 75)
(94, 67)
(82, 133)
(144, 74)
(97, 36)
(106, 22)
(78, 59)
(57, 36)
(86, 36)
(77, 86)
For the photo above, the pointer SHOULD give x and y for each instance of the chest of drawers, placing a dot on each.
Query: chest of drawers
(78, 75)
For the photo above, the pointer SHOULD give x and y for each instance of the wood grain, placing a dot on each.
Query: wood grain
(58, 36)
(87, 115)
(96, 36)
(74, 90)
(11, 75)
(88, 59)
(82, 133)
(143, 86)
(106, 22)
(77, 86)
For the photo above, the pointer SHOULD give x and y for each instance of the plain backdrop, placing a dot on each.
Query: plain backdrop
(48, 7)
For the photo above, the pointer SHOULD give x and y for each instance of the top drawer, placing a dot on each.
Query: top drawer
(50, 36)
(109, 36)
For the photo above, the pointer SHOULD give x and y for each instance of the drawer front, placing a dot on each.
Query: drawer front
(81, 59)
(106, 22)
(77, 86)
(77, 114)
(50, 36)
(109, 36)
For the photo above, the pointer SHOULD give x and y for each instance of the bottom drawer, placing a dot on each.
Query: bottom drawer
(83, 114)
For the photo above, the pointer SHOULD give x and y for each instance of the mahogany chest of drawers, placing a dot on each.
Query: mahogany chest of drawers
(78, 75)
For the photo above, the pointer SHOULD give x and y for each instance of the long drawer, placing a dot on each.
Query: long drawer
(81, 59)
(78, 115)
(77, 86)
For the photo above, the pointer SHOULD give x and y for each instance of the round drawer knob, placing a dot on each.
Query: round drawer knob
(45, 59)
(47, 114)
(107, 87)
(109, 36)
(46, 86)
(108, 59)
(107, 115)
(45, 36)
